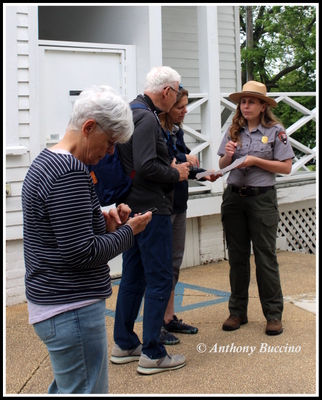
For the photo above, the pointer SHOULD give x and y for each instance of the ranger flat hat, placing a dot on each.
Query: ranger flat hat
(253, 89)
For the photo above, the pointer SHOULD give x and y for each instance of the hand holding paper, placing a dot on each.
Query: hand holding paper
(222, 171)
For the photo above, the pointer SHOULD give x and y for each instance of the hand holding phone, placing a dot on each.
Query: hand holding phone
(138, 222)
(153, 210)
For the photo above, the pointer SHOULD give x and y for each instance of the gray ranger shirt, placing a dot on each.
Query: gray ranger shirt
(266, 143)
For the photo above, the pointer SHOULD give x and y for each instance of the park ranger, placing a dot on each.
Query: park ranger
(249, 210)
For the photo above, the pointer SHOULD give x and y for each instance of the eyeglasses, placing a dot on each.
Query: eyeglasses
(113, 144)
(172, 89)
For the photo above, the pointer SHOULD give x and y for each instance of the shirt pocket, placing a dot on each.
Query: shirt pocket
(263, 150)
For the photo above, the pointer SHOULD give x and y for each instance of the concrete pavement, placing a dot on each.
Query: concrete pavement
(245, 361)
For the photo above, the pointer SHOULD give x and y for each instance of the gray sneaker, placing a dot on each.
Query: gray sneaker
(148, 366)
(120, 356)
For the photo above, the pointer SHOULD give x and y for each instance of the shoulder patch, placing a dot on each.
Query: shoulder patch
(283, 137)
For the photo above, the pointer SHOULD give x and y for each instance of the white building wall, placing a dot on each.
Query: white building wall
(140, 26)
(229, 48)
(211, 243)
(133, 25)
(180, 51)
(180, 45)
(15, 273)
(21, 117)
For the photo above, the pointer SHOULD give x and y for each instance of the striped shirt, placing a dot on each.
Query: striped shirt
(66, 247)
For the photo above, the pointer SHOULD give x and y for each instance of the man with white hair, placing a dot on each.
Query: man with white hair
(147, 266)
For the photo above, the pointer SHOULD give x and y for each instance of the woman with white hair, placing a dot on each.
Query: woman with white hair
(68, 242)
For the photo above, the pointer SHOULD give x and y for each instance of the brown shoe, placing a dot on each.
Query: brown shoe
(234, 321)
(274, 327)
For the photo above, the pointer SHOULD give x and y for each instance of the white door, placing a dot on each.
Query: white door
(67, 68)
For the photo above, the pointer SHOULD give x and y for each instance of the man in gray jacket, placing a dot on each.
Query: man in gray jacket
(147, 266)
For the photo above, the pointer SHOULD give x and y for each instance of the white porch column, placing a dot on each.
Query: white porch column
(155, 37)
(210, 83)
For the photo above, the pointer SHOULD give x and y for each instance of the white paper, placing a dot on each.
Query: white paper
(222, 171)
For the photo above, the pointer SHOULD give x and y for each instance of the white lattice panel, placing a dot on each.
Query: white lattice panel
(299, 228)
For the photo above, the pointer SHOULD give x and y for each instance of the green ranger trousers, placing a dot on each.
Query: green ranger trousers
(253, 219)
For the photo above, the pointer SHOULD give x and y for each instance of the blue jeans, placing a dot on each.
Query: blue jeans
(147, 270)
(77, 344)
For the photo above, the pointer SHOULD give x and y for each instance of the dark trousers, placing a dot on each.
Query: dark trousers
(245, 220)
(147, 270)
(179, 224)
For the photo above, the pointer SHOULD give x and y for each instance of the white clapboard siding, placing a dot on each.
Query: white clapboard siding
(18, 162)
(14, 218)
(16, 174)
(229, 52)
(180, 51)
(16, 168)
(180, 43)
(180, 47)
(191, 251)
(13, 202)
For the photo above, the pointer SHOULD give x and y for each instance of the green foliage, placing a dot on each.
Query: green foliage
(283, 40)
(282, 54)
(288, 116)
(296, 81)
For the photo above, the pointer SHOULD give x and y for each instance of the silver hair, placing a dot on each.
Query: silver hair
(160, 77)
(107, 107)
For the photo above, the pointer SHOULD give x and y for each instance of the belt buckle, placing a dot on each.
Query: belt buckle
(242, 188)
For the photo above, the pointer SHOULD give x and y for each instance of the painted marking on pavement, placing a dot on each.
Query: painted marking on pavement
(179, 296)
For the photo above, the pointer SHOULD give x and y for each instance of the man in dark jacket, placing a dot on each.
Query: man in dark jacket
(147, 266)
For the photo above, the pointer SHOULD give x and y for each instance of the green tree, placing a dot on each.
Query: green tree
(283, 41)
(278, 48)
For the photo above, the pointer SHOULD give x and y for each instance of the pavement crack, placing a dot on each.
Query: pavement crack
(33, 373)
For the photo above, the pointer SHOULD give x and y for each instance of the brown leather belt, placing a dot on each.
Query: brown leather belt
(250, 191)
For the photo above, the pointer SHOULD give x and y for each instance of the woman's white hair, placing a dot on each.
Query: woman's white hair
(107, 107)
(159, 78)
